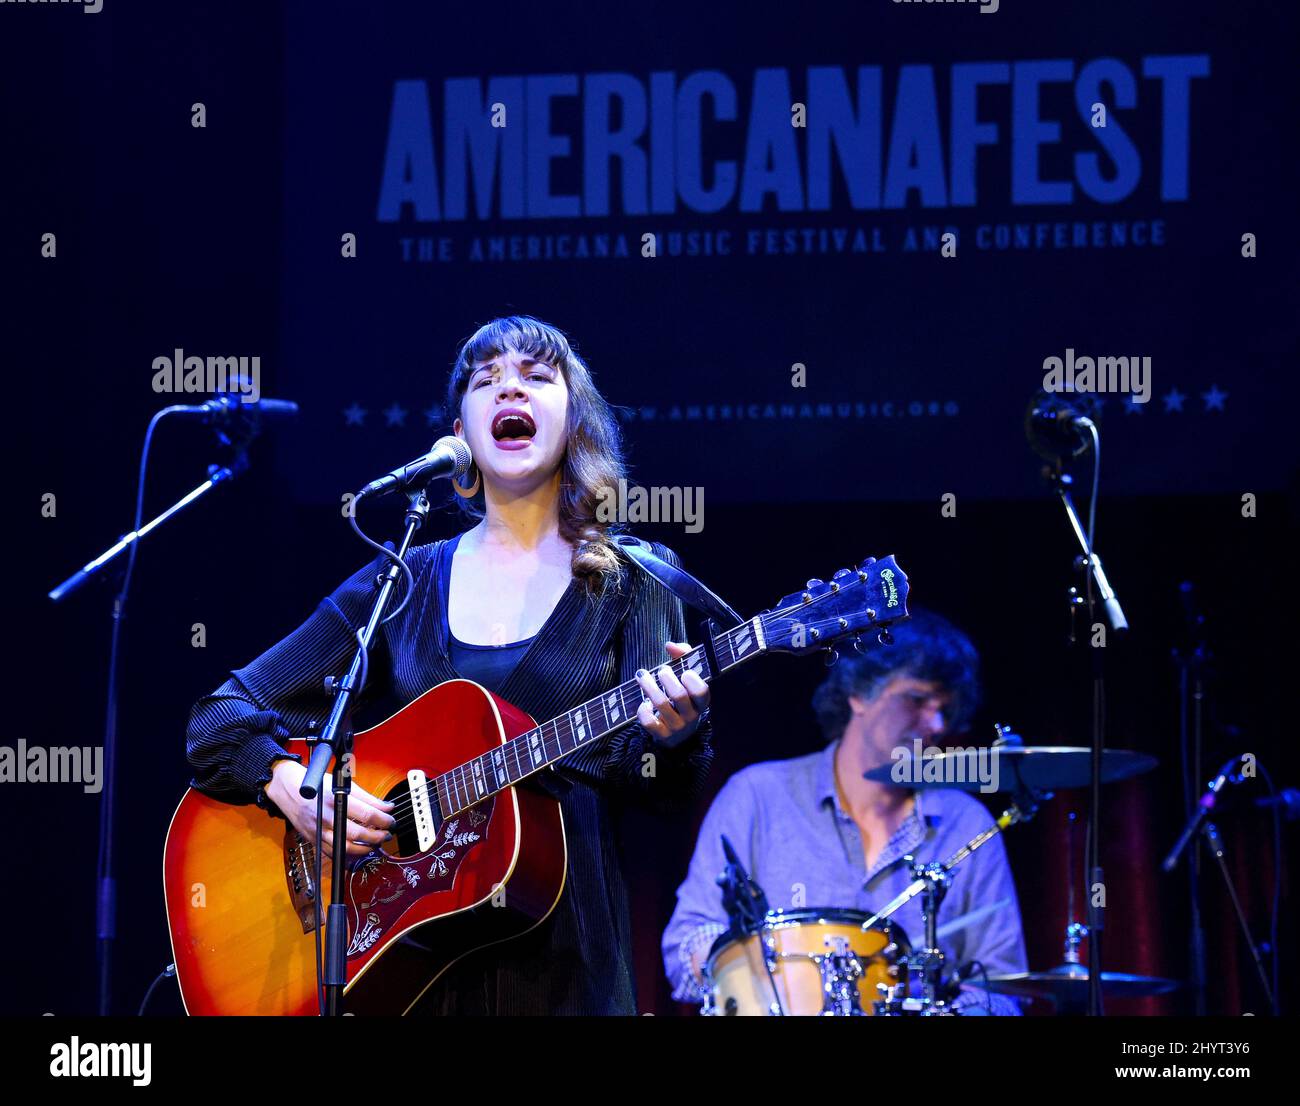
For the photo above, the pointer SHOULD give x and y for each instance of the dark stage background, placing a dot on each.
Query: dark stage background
(225, 240)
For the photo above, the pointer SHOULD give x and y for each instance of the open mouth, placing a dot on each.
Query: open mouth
(513, 425)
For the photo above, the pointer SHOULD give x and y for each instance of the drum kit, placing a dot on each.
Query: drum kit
(845, 963)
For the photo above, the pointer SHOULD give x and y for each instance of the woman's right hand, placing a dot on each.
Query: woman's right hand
(370, 821)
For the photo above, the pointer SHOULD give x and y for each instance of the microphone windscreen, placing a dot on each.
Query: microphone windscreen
(1050, 426)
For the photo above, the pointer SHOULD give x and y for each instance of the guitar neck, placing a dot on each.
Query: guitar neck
(539, 748)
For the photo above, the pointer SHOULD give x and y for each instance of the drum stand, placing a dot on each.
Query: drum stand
(931, 882)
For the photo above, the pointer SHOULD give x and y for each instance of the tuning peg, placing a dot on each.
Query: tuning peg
(857, 644)
(831, 657)
(840, 573)
(885, 637)
(814, 583)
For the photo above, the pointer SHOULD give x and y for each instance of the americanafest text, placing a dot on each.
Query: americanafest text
(884, 137)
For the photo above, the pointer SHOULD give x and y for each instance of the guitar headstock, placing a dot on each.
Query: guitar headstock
(869, 598)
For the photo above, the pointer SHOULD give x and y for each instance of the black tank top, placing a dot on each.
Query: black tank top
(488, 665)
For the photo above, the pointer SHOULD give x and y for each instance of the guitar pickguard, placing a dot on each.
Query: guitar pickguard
(382, 888)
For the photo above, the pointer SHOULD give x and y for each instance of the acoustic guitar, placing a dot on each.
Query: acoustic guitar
(475, 859)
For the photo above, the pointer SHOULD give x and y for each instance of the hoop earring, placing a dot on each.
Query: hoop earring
(471, 492)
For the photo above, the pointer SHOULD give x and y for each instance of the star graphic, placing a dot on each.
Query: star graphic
(395, 415)
(1173, 400)
(1132, 406)
(433, 415)
(1214, 398)
(355, 415)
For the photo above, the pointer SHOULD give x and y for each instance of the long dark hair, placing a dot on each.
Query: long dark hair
(593, 455)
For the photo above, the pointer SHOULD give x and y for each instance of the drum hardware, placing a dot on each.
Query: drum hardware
(1075, 932)
(1066, 985)
(840, 976)
(931, 880)
(861, 957)
(840, 971)
(805, 962)
(934, 879)
(1032, 774)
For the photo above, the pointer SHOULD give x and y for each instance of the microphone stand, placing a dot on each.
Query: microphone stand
(1199, 825)
(105, 884)
(335, 742)
(1192, 664)
(1215, 844)
(1099, 588)
(746, 905)
(217, 474)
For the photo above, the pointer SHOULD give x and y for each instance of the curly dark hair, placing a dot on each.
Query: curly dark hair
(927, 647)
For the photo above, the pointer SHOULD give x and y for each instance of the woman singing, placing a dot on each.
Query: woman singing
(536, 604)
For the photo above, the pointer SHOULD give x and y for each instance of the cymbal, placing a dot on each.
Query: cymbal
(1006, 767)
(1067, 985)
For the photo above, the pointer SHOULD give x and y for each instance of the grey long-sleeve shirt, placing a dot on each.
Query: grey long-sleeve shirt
(785, 821)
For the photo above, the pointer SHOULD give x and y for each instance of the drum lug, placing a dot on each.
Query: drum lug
(840, 971)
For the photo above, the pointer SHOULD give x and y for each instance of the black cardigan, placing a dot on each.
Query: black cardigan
(579, 960)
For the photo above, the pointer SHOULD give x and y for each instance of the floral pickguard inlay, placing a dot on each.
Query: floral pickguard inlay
(382, 887)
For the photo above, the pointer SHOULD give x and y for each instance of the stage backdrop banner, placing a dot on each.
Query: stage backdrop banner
(816, 259)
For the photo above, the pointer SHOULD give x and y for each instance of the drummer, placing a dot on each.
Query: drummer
(813, 833)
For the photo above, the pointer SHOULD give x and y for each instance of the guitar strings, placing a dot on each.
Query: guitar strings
(403, 809)
(406, 806)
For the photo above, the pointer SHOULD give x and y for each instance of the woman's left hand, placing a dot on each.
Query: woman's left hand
(672, 707)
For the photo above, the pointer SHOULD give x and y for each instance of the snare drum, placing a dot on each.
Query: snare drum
(826, 962)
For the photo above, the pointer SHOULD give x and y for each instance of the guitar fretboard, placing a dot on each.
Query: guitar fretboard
(538, 748)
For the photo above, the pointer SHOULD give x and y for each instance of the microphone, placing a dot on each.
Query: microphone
(226, 408)
(742, 898)
(1203, 808)
(1288, 799)
(1056, 428)
(450, 456)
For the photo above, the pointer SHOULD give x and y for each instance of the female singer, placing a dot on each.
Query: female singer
(535, 603)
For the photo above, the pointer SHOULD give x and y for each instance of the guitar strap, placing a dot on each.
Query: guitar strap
(690, 591)
(678, 581)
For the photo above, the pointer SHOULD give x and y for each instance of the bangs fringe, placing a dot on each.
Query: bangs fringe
(529, 336)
